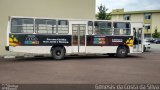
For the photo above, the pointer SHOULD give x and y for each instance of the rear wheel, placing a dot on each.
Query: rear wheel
(121, 52)
(58, 53)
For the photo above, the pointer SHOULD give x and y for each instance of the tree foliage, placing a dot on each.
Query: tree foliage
(156, 34)
(102, 14)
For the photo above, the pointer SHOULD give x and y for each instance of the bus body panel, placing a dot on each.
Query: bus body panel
(69, 49)
(36, 49)
(101, 49)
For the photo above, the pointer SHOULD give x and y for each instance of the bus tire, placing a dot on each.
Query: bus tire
(121, 52)
(58, 53)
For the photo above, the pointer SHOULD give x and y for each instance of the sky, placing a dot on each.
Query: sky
(129, 5)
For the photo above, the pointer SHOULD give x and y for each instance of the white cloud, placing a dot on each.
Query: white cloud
(130, 5)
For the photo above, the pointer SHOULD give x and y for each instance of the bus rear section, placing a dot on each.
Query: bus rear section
(60, 37)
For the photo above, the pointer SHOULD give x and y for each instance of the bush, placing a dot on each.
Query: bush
(156, 34)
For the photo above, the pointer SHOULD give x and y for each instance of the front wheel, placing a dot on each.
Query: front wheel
(121, 52)
(58, 53)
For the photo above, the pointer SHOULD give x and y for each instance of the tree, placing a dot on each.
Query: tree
(156, 34)
(102, 14)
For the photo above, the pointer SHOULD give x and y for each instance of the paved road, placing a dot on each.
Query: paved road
(155, 48)
(137, 68)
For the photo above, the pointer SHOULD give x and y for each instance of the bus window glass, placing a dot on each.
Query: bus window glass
(102, 28)
(45, 26)
(121, 28)
(90, 27)
(22, 25)
(63, 27)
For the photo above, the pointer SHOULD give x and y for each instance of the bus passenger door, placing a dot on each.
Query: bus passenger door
(78, 38)
(138, 39)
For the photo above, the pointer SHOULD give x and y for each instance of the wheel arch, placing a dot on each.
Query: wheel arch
(122, 46)
(54, 46)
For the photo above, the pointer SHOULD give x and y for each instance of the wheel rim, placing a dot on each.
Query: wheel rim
(58, 53)
(123, 51)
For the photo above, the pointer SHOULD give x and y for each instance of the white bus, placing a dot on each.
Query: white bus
(60, 37)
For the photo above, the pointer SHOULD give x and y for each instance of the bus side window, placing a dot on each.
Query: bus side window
(109, 28)
(90, 27)
(128, 29)
(63, 27)
(22, 25)
(122, 28)
(45, 26)
(103, 28)
(96, 28)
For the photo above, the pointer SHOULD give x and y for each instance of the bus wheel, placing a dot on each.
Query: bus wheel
(58, 53)
(121, 52)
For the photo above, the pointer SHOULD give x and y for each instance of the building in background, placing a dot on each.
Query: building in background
(150, 18)
(70, 9)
